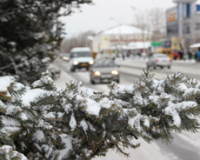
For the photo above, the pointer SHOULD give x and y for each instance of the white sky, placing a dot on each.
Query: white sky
(97, 17)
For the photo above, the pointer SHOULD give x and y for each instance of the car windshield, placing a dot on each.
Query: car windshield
(82, 54)
(104, 63)
(66, 55)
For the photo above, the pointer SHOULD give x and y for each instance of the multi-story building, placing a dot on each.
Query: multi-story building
(183, 21)
(119, 36)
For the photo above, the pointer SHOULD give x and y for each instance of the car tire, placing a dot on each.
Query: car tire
(154, 67)
(72, 69)
(87, 68)
(92, 82)
(161, 67)
(169, 67)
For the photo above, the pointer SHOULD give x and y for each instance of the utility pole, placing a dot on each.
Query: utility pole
(120, 38)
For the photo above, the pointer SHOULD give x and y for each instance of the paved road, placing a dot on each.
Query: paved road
(185, 146)
(189, 69)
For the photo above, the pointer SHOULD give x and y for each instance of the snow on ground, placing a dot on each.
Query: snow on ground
(145, 151)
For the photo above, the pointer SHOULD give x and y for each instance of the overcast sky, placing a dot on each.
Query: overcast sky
(97, 17)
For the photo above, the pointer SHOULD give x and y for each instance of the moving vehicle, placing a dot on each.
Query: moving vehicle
(80, 57)
(104, 70)
(159, 60)
(108, 53)
(65, 56)
(94, 54)
(167, 51)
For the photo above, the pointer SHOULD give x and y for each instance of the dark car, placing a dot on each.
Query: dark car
(104, 70)
(66, 57)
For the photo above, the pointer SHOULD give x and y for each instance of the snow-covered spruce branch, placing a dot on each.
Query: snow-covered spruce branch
(46, 122)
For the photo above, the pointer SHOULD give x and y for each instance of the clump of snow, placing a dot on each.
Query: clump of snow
(67, 140)
(44, 80)
(84, 125)
(32, 95)
(93, 107)
(50, 115)
(2, 105)
(5, 82)
(174, 110)
(134, 142)
(39, 135)
(72, 122)
(146, 121)
(87, 152)
(158, 85)
(67, 108)
(106, 103)
(182, 87)
(135, 122)
(10, 153)
(18, 86)
(91, 127)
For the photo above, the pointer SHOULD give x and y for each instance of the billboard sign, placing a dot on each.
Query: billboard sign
(156, 44)
(166, 44)
(177, 44)
(172, 15)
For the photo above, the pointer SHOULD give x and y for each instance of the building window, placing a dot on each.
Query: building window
(186, 10)
(187, 29)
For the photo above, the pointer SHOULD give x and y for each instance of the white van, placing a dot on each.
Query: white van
(80, 57)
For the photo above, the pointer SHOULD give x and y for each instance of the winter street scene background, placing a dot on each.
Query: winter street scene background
(99, 79)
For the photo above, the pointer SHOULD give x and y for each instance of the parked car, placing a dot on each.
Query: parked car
(159, 60)
(104, 70)
(80, 57)
(66, 57)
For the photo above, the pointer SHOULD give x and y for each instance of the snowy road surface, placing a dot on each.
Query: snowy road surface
(186, 146)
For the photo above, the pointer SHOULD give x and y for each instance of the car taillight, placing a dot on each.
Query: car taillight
(157, 60)
(170, 60)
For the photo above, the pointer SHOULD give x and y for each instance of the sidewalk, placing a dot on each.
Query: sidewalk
(134, 66)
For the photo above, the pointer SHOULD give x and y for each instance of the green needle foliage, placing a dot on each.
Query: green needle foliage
(45, 122)
(30, 32)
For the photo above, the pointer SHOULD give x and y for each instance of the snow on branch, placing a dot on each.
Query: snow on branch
(80, 123)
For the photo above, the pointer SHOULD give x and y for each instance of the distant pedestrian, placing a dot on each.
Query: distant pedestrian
(175, 55)
(123, 57)
(189, 55)
(195, 55)
(181, 54)
(198, 55)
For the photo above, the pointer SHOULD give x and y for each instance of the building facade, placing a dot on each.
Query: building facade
(118, 37)
(183, 21)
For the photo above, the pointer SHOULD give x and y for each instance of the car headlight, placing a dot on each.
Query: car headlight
(91, 62)
(96, 73)
(65, 58)
(115, 72)
(75, 62)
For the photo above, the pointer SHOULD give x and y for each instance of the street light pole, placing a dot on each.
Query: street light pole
(142, 27)
(120, 38)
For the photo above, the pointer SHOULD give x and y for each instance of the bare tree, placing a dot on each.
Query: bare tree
(153, 20)
(76, 41)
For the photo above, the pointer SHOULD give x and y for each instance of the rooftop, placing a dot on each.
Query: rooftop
(124, 29)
